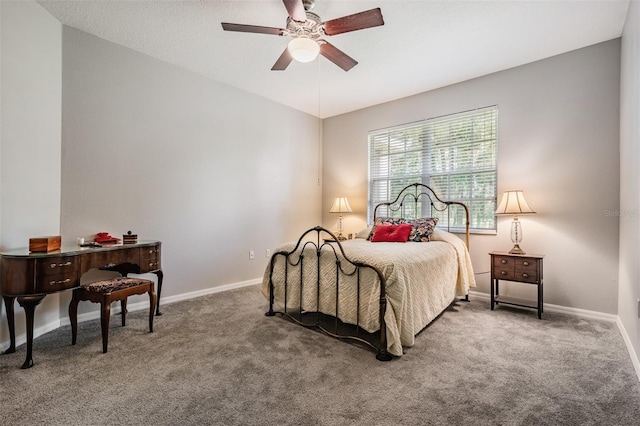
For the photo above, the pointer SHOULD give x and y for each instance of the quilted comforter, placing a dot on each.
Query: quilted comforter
(421, 281)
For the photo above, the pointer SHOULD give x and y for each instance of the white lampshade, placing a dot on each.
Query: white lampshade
(513, 202)
(340, 205)
(303, 49)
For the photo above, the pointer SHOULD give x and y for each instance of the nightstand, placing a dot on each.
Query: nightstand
(521, 268)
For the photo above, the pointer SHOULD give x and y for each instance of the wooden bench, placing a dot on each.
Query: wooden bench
(108, 291)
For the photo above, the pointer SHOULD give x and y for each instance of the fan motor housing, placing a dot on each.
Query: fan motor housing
(311, 28)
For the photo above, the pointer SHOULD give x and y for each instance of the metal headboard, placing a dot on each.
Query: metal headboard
(412, 193)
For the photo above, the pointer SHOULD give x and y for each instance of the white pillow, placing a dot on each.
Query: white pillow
(364, 234)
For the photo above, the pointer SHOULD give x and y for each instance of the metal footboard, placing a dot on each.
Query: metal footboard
(326, 247)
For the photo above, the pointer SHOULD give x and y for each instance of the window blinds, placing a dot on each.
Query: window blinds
(455, 155)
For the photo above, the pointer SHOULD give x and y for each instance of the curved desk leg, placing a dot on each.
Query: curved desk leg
(29, 304)
(73, 317)
(160, 276)
(8, 304)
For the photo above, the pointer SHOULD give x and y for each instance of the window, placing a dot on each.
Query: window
(455, 155)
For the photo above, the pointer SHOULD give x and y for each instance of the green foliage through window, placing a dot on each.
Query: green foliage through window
(455, 155)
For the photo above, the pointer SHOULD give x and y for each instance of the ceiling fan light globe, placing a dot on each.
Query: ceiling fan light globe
(303, 49)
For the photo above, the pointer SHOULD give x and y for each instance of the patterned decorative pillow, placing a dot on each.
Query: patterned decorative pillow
(422, 229)
(385, 221)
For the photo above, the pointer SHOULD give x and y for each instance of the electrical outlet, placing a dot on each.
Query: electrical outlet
(252, 254)
(267, 253)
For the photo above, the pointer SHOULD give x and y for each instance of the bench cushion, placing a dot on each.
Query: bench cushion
(114, 284)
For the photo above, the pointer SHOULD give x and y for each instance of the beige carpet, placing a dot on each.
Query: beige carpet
(218, 360)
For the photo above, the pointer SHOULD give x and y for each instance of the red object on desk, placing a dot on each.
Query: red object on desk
(105, 238)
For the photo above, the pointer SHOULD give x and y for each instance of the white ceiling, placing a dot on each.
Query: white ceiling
(422, 46)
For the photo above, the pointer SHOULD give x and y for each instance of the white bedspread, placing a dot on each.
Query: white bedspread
(422, 279)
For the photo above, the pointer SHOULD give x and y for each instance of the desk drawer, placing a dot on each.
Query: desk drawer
(57, 273)
(109, 258)
(150, 258)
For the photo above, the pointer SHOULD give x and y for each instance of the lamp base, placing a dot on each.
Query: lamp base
(516, 250)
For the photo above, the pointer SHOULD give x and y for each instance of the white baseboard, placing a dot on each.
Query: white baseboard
(144, 305)
(584, 314)
(560, 309)
(219, 289)
(22, 338)
(627, 342)
(132, 307)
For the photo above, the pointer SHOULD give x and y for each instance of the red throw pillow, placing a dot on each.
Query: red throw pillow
(392, 233)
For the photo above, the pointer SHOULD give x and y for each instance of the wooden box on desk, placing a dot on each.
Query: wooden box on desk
(129, 239)
(45, 244)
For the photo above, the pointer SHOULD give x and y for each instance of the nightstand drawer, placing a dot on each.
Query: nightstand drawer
(503, 262)
(503, 267)
(525, 277)
(527, 270)
(503, 273)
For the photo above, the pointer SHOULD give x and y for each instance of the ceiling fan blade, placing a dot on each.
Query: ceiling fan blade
(295, 9)
(252, 29)
(336, 56)
(283, 61)
(357, 21)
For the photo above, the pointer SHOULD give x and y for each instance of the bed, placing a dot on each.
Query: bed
(377, 294)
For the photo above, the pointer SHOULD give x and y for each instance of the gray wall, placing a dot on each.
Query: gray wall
(630, 179)
(211, 171)
(214, 172)
(30, 136)
(558, 141)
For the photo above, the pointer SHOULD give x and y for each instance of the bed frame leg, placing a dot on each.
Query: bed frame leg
(383, 356)
(271, 313)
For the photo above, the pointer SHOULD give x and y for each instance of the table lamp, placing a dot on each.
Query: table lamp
(513, 202)
(340, 205)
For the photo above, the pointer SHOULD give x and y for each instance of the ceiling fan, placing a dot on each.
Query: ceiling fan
(308, 30)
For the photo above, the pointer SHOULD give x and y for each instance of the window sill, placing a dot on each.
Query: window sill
(472, 231)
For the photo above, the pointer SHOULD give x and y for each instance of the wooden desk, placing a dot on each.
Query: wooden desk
(29, 277)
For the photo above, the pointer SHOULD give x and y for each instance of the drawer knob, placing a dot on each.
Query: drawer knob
(503, 273)
(68, 280)
(525, 275)
(60, 265)
(525, 263)
(503, 261)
